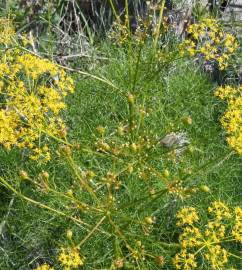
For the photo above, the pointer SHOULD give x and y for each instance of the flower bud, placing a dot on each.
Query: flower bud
(69, 193)
(149, 220)
(101, 130)
(187, 120)
(104, 146)
(131, 99)
(65, 149)
(120, 131)
(205, 188)
(139, 243)
(63, 133)
(133, 147)
(191, 149)
(166, 173)
(69, 234)
(90, 174)
(130, 168)
(24, 175)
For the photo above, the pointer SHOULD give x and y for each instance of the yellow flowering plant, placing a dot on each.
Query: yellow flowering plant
(208, 242)
(208, 40)
(70, 258)
(232, 119)
(44, 266)
(32, 92)
(118, 168)
(7, 31)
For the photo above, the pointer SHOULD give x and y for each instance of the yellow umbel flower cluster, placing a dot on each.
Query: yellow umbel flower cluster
(207, 242)
(237, 229)
(32, 92)
(44, 267)
(187, 216)
(70, 258)
(232, 119)
(207, 39)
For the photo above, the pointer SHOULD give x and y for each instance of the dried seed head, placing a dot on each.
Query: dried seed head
(119, 263)
(160, 260)
(45, 175)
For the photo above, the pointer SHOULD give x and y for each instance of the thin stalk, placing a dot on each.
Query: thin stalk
(218, 161)
(104, 80)
(127, 14)
(84, 183)
(56, 138)
(131, 119)
(137, 68)
(235, 256)
(142, 199)
(157, 34)
(39, 204)
(101, 79)
(118, 231)
(72, 199)
(113, 9)
(92, 231)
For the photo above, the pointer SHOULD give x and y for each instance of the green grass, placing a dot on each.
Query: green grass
(32, 235)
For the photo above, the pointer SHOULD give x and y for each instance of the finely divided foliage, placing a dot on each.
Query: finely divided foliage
(120, 191)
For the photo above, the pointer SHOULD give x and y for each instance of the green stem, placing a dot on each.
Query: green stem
(39, 204)
(235, 256)
(113, 9)
(82, 181)
(131, 120)
(101, 79)
(137, 68)
(170, 245)
(157, 34)
(92, 231)
(218, 161)
(142, 199)
(72, 199)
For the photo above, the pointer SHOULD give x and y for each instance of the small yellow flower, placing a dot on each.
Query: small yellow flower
(187, 216)
(219, 210)
(232, 119)
(70, 258)
(207, 39)
(33, 91)
(185, 261)
(44, 267)
(207, 242)
(237, 228)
